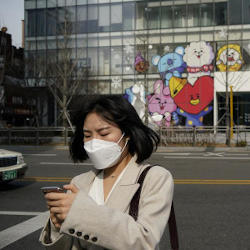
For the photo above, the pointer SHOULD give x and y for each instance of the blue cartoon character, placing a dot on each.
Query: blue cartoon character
(170, 64)
(194, 120)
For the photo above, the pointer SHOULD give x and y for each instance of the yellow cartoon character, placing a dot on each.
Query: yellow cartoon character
(229, 57)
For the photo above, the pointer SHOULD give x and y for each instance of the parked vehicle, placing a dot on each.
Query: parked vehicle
(12, 165)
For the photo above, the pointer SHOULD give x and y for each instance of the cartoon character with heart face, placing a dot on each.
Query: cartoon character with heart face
(192, 101)
(198, 57)
(229, 56)
(170, 64)
(161, 105)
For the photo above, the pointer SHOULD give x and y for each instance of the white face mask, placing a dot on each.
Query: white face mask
(104, 154)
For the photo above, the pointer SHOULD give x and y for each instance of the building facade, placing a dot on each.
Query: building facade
(181, 56)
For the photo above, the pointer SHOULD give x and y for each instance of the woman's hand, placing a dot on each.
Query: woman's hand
(60, 203)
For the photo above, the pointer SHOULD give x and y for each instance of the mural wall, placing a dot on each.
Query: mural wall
(185, 88)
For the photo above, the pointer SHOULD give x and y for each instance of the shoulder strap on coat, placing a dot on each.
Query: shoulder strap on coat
(134, 208)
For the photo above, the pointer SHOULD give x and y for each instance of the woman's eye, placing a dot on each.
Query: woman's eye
(86, 136)
(104, 134)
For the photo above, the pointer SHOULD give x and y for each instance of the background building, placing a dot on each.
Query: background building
(104, 37)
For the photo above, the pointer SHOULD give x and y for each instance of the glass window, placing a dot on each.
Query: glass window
(92, 18)
(246, 11)
(206, 14)
(140, 16)
(246, 54)
(81, 26)
(51, 3)
(166, 17)
(235, 10)
(128, 59)
(40, 22)
(71, 19)
(193, 15)
(116, 17)
(31, 23)
(179, 16)
(30, 64)
(104, 18)
(221, 13)
(51, 62)
(128, 16)
(93, 59)
(104, 59)
(116, 60)
(51, 21)
(153, 17)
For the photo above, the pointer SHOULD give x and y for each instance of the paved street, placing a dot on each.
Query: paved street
(212, 197)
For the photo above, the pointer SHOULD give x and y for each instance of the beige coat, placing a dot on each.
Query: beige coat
(95, 227)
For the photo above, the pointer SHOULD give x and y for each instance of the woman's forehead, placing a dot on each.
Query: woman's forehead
(96, 121)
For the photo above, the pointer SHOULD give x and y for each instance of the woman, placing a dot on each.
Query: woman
(93, 214)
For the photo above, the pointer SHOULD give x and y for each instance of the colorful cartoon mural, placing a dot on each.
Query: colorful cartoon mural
(198, 57)
(183, 94)
(136, 96)
(229, 56)
(141, 65)
(161, 105)
(170, 64)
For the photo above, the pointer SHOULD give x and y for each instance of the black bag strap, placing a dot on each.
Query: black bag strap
(134, 208)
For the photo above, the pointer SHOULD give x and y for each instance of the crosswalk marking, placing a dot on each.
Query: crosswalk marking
(14, 233)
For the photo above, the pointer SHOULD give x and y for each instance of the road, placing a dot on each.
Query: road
(212, 197)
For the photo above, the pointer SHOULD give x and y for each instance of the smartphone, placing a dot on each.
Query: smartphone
(56, 189)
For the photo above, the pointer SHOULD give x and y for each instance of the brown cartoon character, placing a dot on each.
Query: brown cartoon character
(141, 65)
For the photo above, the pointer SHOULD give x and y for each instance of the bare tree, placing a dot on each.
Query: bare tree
(68, 72)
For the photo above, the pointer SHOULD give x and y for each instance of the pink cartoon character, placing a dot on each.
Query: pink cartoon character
(161, 105)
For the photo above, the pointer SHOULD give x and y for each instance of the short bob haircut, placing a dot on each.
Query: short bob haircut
(115, 110)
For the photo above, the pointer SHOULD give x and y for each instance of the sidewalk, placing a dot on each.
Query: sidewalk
(202, 149)
(160, 149)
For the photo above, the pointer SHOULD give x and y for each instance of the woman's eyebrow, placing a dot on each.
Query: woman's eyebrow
(98, 130)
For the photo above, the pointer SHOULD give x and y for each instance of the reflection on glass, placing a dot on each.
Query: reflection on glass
(193, 15)
(128, 16)
(166, 17)
(179, 16)
(207, 14)
(116, 17)
(221, 13)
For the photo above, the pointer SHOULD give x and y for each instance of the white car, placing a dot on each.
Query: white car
(12, 165)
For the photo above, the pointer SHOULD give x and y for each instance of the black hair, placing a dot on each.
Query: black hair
(115, 110)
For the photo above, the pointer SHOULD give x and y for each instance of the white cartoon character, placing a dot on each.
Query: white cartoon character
(229, 57)
(198, 57)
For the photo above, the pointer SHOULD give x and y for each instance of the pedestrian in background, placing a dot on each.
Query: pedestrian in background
(96, 211)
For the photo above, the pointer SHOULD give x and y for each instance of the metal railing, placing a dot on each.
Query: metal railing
(168, 135)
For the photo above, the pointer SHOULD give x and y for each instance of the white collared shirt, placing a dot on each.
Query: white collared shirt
(96, 191)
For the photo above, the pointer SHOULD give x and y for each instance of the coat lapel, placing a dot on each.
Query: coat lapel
(124, 191)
